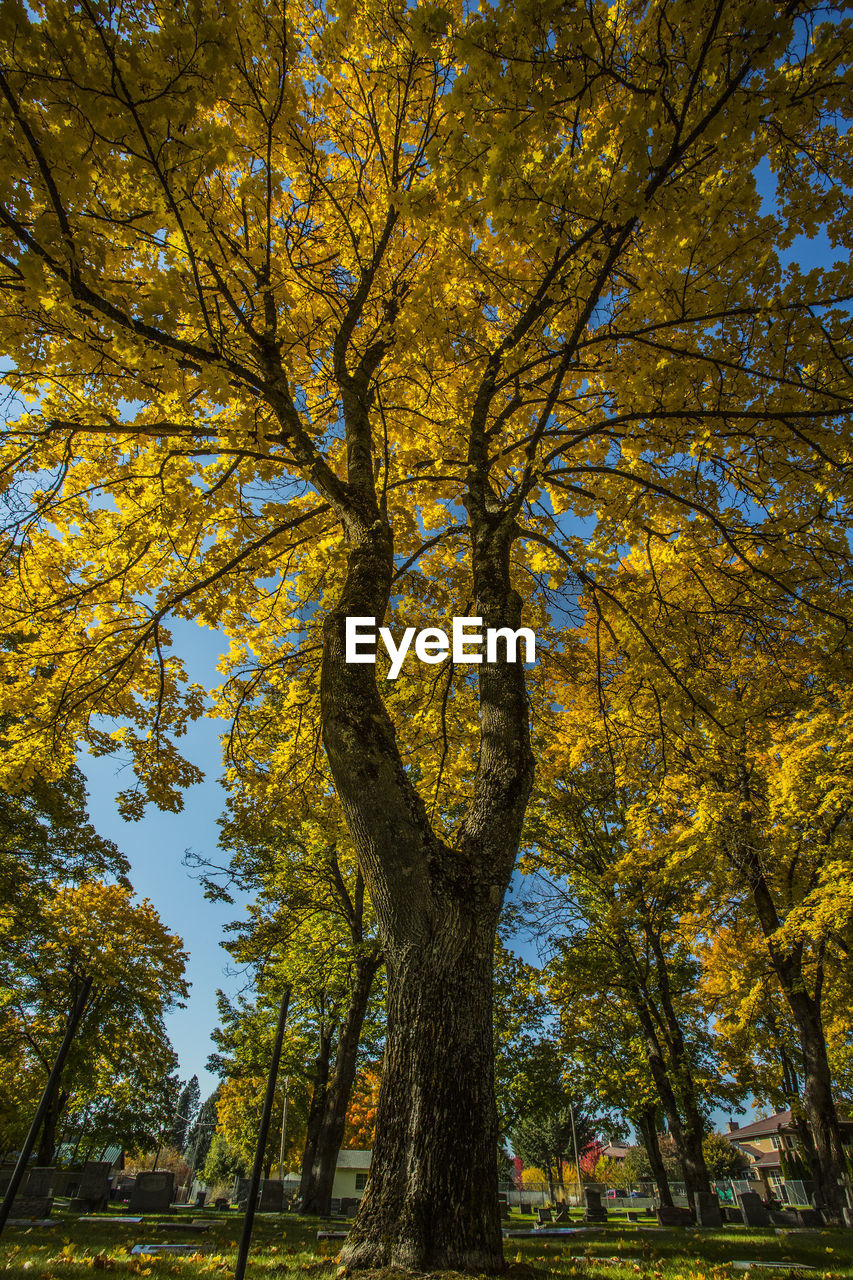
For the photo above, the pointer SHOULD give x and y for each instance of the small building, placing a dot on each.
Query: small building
(615, 1151)
(351, 1172)
(762, 1143)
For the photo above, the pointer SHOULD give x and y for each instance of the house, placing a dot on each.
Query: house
(762, 1144)
(615, 1151)
(351, 1172)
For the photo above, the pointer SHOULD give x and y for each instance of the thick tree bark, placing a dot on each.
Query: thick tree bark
(317, 1180)
(432, 1194)
(646, 1121)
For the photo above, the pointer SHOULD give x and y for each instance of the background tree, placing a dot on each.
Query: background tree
(544, 1137)
(615, 925)
(312, 917)
(91, 930)
(526, 1056)
(721, 1158)
(186, 1109)
(360, 1132)
(284, 295)
(200, 1135)
(735, 799)
(222, 1164)
(245, 1039)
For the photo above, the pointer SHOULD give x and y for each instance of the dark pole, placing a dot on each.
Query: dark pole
(52, 1081)
(254, 1185)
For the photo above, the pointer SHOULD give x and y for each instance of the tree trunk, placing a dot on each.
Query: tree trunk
(647, 1125)
(316, 1109)
(432, 1195)
(317, 1180)
(431, 1200)
(825, 1153)
(691, 1152)
(826, 1157)
(692, 1161)
(47, 1138)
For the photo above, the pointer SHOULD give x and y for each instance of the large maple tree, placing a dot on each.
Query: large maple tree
(342, 311)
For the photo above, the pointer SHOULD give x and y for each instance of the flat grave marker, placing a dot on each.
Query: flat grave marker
(153, 1249)
(747, 1265)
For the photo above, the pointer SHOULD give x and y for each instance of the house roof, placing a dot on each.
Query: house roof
(768, 1160)
(615, 1151)
(754, 1152)
(354, 1159)
(761, 1128)
(68, 1151)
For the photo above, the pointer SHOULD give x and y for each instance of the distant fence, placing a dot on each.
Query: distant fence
(640, 1194)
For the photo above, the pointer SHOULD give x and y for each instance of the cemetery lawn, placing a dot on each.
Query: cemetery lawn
(286, 1248)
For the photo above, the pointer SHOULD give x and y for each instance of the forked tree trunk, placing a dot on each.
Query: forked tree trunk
(693, 1125)
(316, 1108)
(647, 1124)
(431, 1200)
(687, 1135)
(825, 1153)
(826, 1157)
(318, 1176)
(432, 1194)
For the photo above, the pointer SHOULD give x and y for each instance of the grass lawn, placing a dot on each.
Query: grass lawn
(285, 1247)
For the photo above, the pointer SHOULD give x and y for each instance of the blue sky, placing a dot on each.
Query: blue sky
(156, 846)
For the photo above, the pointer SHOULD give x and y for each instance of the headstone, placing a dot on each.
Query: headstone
(707, 1209)
(674, 1215)
(124, 1186)
(93, 1188)
(544, 1216)
(35, 1194)
(783, 1217)
(349, 1206)
(594, 1210)
(38, 1182)
(754, 1213)
(809, 1217)
(240, 1194)
(526, 1206)
(222, 1203)
(561, 1214)
(270, 1196)
(200, 1197)
(32, 1207)
(152, 1192)
(731, 1214)
(546, 1233)
(504, 1208)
